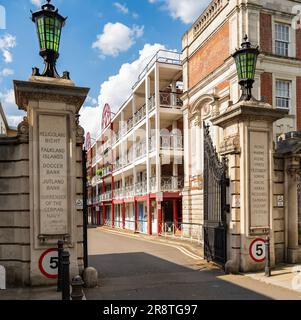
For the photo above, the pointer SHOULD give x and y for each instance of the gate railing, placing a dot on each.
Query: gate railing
(215, 202)
(183, 231)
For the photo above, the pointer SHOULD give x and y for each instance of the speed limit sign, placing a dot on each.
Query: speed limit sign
(257, 250)
(48, 263)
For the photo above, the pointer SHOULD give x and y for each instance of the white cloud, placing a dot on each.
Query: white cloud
(6, 72)
(7, 97)
(7, 42)
(121, 7)
(14, 121)
(37, 3)
(117, 88)
(185, 10)
(14, 116)
(90, 120)
(116, 38)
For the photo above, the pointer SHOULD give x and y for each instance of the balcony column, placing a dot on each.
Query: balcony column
(175, 159)
(175, 213)
(158, 147)
(123, 214)
(148, 165)
(173, 95)
(103, 214)
(136, 214)
(149, 216)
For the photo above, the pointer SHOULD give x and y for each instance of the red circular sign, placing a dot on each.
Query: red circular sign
(257, 250)
(48, 263)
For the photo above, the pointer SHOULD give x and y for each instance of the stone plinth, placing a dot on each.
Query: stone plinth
(55, 168)
(248, 145)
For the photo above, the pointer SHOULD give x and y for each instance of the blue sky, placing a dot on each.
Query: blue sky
(104, 45)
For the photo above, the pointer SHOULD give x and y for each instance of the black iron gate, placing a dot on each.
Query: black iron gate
(215, 202)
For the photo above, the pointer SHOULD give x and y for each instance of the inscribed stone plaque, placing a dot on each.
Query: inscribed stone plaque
(53, 175)
(259, 180)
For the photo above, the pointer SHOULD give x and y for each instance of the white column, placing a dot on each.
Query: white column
(175, 163)
(157, 127)
(158, 138)
(198, 145)
(186, 147)
(147, 134)
(173, 95)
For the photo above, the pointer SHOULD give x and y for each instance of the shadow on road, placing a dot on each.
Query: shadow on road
(141, 276)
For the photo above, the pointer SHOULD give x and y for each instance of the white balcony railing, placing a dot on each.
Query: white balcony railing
(141, 188)
(162, 56)
(118, 194)
(172, 184)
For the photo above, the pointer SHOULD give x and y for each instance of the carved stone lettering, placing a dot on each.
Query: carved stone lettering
(53, 175)
(259, 180)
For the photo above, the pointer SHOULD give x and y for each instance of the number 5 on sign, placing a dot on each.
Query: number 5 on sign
(48, 263)
(257, 250)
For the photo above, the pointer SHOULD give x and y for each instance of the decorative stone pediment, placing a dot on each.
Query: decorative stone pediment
(230, 145)
(204, 105)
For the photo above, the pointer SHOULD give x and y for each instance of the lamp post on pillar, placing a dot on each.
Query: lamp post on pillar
(55, 153)
(246, 60)
(249, 144)
(49, 24)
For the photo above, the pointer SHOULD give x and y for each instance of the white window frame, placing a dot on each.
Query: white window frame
(288, 42)
(292, 35)
(292, 79)
(289, 82)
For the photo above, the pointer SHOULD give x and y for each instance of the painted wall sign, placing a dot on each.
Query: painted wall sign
(48, 263)
(257, 250)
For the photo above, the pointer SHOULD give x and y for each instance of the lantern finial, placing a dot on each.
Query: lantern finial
(49, 24)
(246, 60)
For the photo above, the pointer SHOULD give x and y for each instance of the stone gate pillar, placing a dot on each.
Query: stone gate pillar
(289, 150)
(55, 173)
(248, 144)
(292, 178)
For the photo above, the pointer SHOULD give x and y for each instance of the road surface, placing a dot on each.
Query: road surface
(132, 268)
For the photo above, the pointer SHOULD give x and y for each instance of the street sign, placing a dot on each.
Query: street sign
(160, 196)
(48, 263)
(257, 250)
(2, 278)
(79, 204)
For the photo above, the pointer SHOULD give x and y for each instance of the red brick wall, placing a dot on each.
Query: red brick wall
(266, 32)
(298, 103)
(267, 87)
(209, 57)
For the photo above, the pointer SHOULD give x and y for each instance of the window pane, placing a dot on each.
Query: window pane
(282, 32)
(283, 95)
(282, 39)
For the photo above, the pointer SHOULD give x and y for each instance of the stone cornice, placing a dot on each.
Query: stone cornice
(40, 91)
(251, 110)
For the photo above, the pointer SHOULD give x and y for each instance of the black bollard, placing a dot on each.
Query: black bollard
(60, 246)
(77, 288)
(267, 270)
(65, 275)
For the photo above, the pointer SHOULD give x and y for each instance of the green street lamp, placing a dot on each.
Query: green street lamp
(246, 60)
(49, 24)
